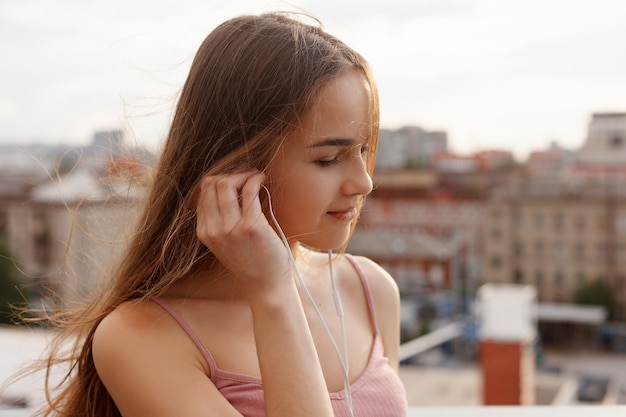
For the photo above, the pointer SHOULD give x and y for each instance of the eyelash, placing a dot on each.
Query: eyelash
(327, 163)
(330, 162)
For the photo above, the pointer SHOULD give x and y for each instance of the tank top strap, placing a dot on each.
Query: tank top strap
(194, 337)
(366, 290)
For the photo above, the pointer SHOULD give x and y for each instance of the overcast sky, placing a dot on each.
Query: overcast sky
(497, 74)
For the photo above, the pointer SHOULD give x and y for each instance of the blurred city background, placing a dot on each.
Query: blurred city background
(446, 226)
(499, 204)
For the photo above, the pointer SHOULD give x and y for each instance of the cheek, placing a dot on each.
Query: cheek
(294, 202)
(292, 186)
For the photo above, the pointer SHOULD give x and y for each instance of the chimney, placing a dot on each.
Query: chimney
(507, 336)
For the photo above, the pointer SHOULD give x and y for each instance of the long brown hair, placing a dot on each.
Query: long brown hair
(251, 81)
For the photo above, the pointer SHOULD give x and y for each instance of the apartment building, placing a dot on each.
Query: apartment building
(558, 234)
(66, 232)
(409, 147)
(66, 212)
(424, 236)
(65, 247)
(605, 145)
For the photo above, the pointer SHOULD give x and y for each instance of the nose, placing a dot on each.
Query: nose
(358, 181)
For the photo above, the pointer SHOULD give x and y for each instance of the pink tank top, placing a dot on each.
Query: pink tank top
(377, 392)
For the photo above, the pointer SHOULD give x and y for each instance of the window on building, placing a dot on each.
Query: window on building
(616, 141)
(518, 276)
(496, 213)
(517, 219)
(496, 261)
(559, 221)
(559, 279)
(560, 250)
(539, 249)
(41, 239)
(436, 276)
(601, 223)
(416, 280)
(580, 279)
(518, 248)
(579, 251)
(538, 279)
(538, 220)
(580, 222)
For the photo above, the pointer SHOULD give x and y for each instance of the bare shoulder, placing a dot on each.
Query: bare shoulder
(132, 335)
(138, 324)
(386, 300)
(381, 283)
(138, 349)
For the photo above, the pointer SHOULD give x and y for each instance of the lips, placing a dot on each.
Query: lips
(344, 215)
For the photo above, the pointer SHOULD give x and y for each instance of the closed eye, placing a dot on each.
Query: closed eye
(327, 162)
(348, 144)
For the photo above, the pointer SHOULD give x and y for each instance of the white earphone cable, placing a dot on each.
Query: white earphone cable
(343, 359)
(344, 341)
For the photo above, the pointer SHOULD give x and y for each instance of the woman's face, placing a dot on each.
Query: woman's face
(320, 174)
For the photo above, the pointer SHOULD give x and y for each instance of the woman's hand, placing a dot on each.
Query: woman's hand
(231, 223)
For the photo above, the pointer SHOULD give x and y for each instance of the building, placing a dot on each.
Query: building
(606, 141)
(65, 231)
(426, 238)
(542, 163)
(65, 240)
(111, 141)
(558, 234)
(451, 163)
(563, 226)
(408, 147)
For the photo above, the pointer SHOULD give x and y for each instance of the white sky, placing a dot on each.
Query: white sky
(497, 74)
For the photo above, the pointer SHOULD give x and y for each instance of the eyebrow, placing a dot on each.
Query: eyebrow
(342, 142)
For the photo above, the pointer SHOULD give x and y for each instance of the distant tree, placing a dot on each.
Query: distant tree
(10, 293)
(595, 293)
(410, 163)
(508, 166)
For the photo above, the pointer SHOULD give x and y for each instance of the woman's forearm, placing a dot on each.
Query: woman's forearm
(293, 381)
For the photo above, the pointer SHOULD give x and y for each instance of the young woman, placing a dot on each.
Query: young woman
(226, 301)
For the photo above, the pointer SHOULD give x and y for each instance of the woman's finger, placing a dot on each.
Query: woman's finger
(220, 204)
(250, 201)
(207, 202)
(228, 200)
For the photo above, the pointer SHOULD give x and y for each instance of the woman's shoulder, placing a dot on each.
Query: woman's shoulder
(136, 317)
(135, 329)
(380, 282)
(133, 322)
(386, 300)
(138, 349)
(129, 345)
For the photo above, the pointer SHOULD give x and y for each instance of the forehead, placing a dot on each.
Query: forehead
(342, 110)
